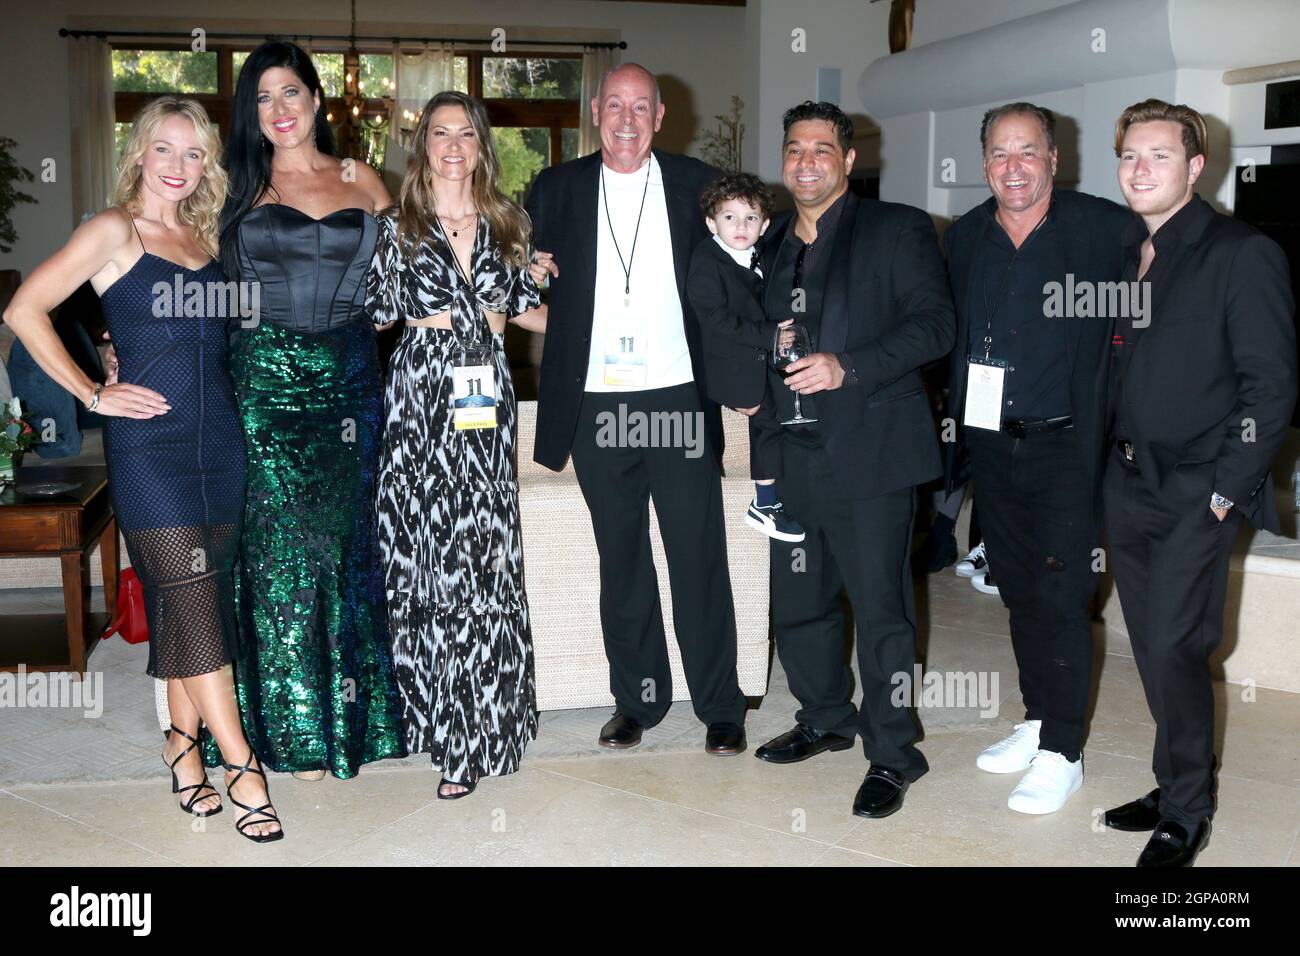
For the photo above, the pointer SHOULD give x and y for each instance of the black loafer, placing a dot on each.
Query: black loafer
(620, 732)
(1137, 816)
(800, 744)
(725, 740)
(881, 793)
(1171, 845)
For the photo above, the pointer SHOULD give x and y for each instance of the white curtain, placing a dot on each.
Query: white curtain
(595, 62)
(90, 100)
(417, 78)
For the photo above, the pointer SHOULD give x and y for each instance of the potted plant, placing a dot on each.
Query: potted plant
(16, 435)
(10, 174)
(721, 147)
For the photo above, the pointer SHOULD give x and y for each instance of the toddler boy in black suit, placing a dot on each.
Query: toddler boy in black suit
(724, 286)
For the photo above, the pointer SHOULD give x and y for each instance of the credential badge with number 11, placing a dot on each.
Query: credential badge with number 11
(474, 389)
(625, 356)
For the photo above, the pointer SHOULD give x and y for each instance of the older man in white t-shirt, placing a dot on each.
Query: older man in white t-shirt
(621, 390)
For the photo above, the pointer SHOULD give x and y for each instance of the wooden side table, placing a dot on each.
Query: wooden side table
(66, 523)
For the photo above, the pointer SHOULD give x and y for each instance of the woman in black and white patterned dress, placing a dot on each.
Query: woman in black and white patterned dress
(451, 261)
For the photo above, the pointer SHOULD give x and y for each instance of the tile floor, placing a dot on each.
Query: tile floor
(87, 791)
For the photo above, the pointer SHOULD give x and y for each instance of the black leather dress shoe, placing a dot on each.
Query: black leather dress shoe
(1171, 844)
(725, 740)
(1136, 816)
(620, 732)
(881, 793)
(800, 744)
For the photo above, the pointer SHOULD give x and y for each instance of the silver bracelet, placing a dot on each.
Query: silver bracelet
(94, 399)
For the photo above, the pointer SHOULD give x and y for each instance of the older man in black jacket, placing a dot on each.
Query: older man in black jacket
(1201, 397)
(623, 347)
(867, 281)
(1019, 264)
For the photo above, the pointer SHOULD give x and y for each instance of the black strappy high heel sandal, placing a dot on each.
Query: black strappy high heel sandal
(198, 788)
(444, 782)
(265, 810)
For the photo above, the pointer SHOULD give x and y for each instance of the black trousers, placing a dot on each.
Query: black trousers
(764, 445)
(1171, 572)
(619, 475)
(858, 545)
(1036, 514)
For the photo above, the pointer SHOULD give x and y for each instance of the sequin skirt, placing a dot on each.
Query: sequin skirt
(315, 674)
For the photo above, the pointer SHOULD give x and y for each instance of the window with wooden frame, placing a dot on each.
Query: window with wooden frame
(532, 98)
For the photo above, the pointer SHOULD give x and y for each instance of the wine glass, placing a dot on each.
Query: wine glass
(790, 344)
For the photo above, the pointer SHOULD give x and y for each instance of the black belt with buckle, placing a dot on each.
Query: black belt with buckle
(1126, 449)
(1019, 427)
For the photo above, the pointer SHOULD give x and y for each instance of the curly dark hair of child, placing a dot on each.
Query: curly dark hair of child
(743, 186)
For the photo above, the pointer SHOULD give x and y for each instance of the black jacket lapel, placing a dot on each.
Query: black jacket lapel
(835, 298)
(683, 210)
(774, 306)
(586, 206)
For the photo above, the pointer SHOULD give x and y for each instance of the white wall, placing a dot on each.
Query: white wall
(847, 34)
(941, 19)
(700, 53)
(1172, 49)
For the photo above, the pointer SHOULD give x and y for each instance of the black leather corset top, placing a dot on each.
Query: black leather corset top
(311, 272)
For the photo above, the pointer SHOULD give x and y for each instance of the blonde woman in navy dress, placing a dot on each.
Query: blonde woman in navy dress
(451, 261)
(174, 446)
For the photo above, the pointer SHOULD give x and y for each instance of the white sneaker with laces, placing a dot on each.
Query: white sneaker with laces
(1013, 753)
(973, 563)
(1050, 782)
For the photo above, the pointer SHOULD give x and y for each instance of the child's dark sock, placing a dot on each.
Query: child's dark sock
(765, 495)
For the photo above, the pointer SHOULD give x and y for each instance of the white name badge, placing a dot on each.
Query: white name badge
(625, 356)
(474, 391)
(985, 379)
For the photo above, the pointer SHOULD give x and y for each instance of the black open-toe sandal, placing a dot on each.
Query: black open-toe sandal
(265, 810)
(444, 782)
(198, 788)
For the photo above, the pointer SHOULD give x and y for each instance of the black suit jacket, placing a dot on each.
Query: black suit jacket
(1216, 366)
(1092, 230)
(563, 204)
(737, 334)
(886, 308)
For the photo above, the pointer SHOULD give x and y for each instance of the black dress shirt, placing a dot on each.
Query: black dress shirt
(803, 265)
(1009, 285)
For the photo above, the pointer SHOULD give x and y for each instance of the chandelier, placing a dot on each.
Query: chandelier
(360, 128)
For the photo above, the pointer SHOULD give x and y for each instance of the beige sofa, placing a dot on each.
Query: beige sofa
(562, 577)
(561, 571)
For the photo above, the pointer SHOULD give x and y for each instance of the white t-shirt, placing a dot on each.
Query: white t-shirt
(650, 310)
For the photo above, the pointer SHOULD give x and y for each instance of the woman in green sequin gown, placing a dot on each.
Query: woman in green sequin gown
(314, 675)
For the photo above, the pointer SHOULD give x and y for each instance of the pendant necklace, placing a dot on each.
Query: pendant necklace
(455, 232)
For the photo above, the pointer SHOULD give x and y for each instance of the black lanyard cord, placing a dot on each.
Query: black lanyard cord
(997, 296)
(627, 266)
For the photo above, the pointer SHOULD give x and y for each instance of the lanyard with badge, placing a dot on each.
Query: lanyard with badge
(986, 377)
(473, 375)
(626, 340)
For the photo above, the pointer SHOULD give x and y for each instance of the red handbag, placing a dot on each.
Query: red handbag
(130, 619)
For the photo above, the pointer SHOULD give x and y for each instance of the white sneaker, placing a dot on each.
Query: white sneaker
(973, 563)
(1013, 754)
(984, 583)
(1050, 782)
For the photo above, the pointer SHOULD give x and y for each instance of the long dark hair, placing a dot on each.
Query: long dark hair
(248, 152)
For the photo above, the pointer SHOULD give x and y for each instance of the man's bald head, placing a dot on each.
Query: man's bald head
(631, 71)
(627, 111)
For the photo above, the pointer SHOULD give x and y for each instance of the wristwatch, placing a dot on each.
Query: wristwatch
(94, 399)
(1218, 501)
